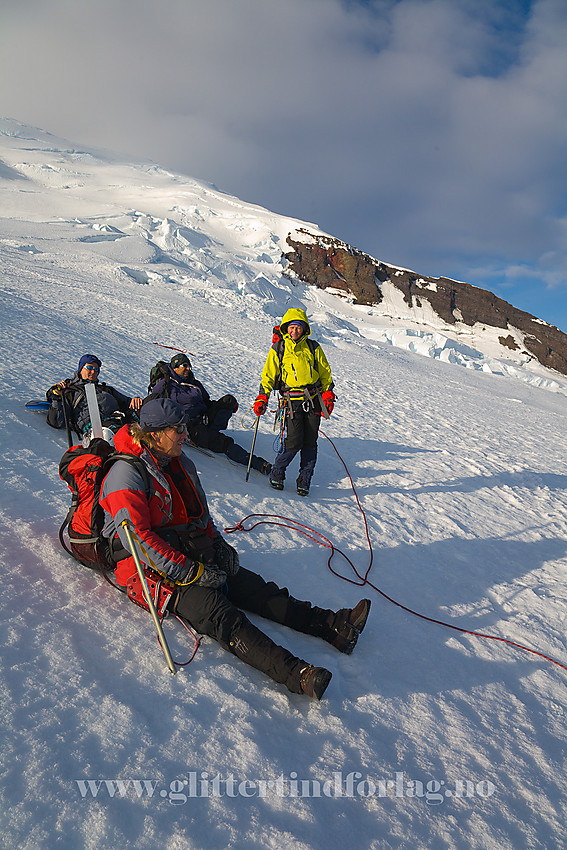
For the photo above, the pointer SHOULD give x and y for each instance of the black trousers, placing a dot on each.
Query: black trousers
(302, 429)
(217, 614)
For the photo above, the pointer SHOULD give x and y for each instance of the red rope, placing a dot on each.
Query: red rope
(195, 638)
(363, 580)
(173, 348)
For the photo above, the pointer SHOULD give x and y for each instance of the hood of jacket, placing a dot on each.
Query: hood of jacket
(123, 442)
(298, 315)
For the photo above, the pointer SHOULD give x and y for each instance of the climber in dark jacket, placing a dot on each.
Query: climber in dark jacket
(205, 418)
(111, 402)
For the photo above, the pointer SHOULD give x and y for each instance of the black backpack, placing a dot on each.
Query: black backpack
(83, 470)
(278, 344)
(157, 372)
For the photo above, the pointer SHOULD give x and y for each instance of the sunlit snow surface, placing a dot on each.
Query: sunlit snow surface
(449, 741)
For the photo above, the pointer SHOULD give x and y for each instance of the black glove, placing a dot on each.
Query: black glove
(184, 575)
(197, 545)
(211, 577)
(56, 391)
(226, 556)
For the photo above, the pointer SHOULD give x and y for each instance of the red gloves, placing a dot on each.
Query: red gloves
(261, 404)
(329, 400)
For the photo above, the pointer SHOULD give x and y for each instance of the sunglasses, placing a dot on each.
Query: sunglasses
(91, 368)
(179, 429)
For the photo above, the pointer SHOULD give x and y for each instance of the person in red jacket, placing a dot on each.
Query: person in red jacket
(179, 539)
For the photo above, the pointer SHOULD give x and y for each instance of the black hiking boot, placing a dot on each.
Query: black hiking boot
(302, 486)
(276, 483)
(265, 467)
(314, 680)
(348, 626)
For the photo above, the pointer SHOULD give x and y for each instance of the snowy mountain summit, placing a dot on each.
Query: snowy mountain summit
(153, 226)
(466, 313)
(429, 736)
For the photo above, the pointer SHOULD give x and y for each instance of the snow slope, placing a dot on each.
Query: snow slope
(427, 738)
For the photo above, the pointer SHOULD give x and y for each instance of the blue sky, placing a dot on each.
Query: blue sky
(430, 133)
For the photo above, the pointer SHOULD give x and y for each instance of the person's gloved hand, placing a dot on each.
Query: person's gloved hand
(261, 404)
(211, 577)
(329, 400)
(226, 556)
(56, 391)
(196, 543)
(186, 574)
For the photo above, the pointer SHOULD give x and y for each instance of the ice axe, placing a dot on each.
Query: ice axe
(149, 599)
(252, 449)
(66, 417)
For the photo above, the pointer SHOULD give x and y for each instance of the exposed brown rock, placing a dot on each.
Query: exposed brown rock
(326, 262)
(508, 342)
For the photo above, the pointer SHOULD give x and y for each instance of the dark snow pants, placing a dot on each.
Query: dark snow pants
(302, 430)
(218, 615)
(208, 436)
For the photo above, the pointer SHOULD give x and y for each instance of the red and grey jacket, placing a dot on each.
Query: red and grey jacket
(168, 507)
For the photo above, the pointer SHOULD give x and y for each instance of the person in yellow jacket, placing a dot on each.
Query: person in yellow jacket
(297, 367)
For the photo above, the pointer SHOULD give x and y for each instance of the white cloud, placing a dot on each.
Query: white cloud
(429, 133)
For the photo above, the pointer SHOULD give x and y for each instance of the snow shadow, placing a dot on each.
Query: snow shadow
(9, 173)
(469, 484)
(472, 584)
(362, 457)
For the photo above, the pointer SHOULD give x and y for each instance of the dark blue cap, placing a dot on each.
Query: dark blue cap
(161, 413)
(302, 325)
(88, 358)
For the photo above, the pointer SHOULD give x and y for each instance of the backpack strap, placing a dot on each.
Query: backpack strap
(136, 462)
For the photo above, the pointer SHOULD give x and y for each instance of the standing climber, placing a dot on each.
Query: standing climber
(297, 368)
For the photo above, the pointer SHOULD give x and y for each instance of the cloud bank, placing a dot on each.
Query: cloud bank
(430, 133)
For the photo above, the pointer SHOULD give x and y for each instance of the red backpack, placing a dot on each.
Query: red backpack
(83, 470)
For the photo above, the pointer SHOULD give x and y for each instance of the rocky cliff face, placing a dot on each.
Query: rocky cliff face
(329, 263)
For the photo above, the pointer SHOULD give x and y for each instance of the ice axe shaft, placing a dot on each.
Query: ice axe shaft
(66, 418)
(149, 599)
(252, 449)
(94, 412)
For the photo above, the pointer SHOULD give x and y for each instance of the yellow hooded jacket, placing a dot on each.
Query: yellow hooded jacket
(300, 367)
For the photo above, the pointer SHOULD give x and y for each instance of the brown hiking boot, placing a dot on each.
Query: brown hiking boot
(314, 680)
(348, 626)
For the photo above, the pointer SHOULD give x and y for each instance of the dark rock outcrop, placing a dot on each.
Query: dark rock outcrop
(329, 263)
